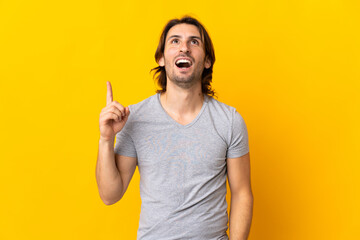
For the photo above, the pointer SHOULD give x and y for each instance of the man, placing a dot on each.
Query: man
(184, 143)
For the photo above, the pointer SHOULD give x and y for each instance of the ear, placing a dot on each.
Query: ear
(161, 61)
(207, 62)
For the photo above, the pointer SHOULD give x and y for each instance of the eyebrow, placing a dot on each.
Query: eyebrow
(178, 36)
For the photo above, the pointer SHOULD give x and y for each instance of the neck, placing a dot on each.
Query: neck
(181, 101)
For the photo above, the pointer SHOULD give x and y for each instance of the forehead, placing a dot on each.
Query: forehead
(184, 30)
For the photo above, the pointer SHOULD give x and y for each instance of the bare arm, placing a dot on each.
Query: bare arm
(113, 172)
(241, 197)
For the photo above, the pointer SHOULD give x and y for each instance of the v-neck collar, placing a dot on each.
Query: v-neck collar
(173, 121)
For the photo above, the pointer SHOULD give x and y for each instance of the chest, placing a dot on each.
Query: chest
(181, 150)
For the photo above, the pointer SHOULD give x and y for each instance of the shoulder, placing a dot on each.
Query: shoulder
(226, 113)
(138, 113)
(144, 105)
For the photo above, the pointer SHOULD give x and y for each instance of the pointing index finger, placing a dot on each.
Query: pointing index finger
(109, 95)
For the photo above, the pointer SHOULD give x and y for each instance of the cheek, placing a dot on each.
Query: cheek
(169, 56)
(199, 54)
(171, 52)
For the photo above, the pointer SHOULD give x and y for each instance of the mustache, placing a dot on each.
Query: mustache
(185, 55)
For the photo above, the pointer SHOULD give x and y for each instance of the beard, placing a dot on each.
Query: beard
(183, 81)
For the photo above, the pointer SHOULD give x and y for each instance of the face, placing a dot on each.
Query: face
(184, 55)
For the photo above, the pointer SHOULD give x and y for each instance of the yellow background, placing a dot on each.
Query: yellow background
(291, 68)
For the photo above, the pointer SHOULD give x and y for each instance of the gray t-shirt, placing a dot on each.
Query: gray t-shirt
(182, 168)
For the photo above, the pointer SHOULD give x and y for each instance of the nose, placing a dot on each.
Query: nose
(184, 47)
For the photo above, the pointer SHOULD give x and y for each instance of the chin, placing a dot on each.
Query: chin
(184, 83)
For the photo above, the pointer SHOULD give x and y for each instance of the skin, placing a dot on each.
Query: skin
(182, 100)
(113, 172)
(184, 40)
(242, 200)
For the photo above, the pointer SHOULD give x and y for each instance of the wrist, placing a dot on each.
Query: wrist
(106, 141)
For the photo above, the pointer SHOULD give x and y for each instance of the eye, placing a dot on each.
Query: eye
(194, 41)
(174, 41)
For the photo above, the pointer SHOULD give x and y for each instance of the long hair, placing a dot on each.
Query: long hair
(206, 78)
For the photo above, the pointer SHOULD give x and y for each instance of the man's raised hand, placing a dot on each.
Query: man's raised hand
(112, 117)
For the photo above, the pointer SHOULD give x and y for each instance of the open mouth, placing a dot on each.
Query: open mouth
(183, 63)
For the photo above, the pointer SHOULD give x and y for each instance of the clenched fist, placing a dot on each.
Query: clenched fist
(112, 117)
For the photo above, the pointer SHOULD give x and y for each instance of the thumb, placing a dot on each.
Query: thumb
(127, 111)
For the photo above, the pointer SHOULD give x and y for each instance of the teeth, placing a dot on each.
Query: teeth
(182, 61)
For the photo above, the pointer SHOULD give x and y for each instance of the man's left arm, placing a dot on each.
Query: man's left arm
(241, 208)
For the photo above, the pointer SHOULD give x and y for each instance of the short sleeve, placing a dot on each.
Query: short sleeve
(124, 144)
(239, 143)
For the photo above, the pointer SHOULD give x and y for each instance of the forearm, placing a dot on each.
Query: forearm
(107, 174)
(240, 216)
